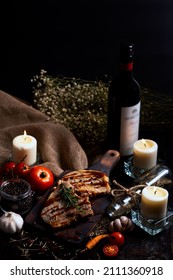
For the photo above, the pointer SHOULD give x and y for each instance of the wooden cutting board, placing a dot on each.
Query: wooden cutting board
(78, 232)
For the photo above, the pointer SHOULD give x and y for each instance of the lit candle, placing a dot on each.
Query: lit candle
(24, 147)
(154, 202)
(145, 154)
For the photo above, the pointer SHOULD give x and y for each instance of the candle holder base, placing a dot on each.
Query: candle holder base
(131, 170)
(151, 226)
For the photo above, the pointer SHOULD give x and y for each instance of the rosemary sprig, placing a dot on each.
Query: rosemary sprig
(69, 197)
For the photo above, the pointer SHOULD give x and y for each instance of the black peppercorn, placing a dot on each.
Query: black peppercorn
(16, 196)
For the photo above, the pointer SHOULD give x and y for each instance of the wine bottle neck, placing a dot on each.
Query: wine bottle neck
(126, 66)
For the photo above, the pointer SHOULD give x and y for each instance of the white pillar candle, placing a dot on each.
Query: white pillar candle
(145, 154)
(24, 147)
(154, 202)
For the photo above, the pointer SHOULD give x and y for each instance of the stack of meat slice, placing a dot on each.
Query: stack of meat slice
(83, 185)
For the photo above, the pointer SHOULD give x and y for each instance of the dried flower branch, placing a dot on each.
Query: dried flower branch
(79, 105)
(82, 106)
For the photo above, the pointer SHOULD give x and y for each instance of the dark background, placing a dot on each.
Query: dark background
(81, 39)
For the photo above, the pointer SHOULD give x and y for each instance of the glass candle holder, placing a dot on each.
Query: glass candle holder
(158, 175)
(152, 227)
(149, 177)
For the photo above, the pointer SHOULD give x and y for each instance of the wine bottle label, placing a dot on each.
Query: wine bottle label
(130, 117)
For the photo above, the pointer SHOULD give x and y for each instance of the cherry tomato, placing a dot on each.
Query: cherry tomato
(117, 238)
(110, 250)
(40, 178)
(7, 167)
(21, 169)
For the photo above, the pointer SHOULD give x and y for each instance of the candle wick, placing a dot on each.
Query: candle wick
(25, 135)
(155, 191)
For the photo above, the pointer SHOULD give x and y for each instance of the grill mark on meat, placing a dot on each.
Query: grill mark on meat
(92, 182)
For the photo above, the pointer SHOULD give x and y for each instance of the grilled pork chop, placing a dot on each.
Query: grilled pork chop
(57, 213)
(92, 182)
(84, 184)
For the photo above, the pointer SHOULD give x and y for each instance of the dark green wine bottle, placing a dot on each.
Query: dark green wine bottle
(124, 104)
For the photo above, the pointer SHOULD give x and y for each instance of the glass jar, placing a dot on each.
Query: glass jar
(123, 204)
(16, 195)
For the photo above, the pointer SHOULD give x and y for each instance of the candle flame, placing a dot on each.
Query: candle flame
(144, 142)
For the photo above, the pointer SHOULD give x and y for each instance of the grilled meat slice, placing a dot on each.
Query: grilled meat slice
(57, 214)
(84, 184)
(92, 182)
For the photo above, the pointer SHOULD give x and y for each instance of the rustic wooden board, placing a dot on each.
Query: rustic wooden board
(77, 232)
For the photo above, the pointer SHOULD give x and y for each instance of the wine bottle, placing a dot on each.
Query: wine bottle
(124, 105)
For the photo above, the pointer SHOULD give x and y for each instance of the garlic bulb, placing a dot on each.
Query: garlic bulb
(121, 224)
(11, 222)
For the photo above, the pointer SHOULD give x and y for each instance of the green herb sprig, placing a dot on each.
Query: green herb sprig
(69, 197)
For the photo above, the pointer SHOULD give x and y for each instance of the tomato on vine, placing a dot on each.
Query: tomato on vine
(8, 167)
(117, 238)
(21, 169)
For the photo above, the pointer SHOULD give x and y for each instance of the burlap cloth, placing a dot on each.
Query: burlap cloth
(57, 147)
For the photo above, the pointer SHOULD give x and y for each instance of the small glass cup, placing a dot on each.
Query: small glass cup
(16, 195)
(151, 226)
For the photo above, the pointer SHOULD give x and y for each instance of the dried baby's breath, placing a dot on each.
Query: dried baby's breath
(81, 106)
